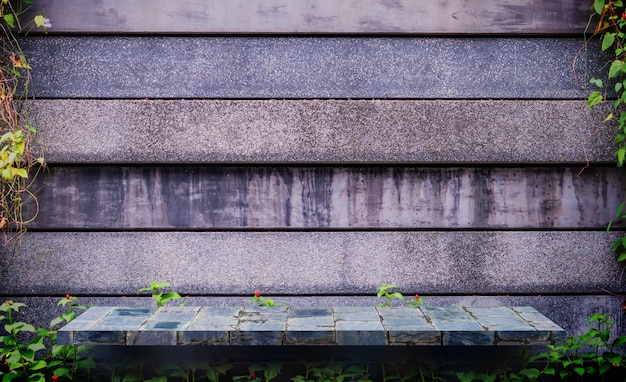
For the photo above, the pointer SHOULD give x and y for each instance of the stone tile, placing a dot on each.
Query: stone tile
(492, 312)
(356, 314)
(120, 323)
(468, 338)
(415, 337)
(305, 336)
(399, 312)
(256, 338)
(396, 321)
(453, 313)
(503, 321)
(310, 312)
(151, 338)
(218, 312)
(94, 313)
(358, 326)
(267, 326)
(361, 338)
(208, 322)
(513, 337)
(215, 336)
(463, 326)
(101, 337)
(175, 313)
(326, 321)
(164, 325)
(117, 311)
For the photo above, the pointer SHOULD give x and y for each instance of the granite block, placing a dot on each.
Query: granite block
(209, 336)
(461, 325)
(361, 338)
(468, 338)
(522, 336)
(101, 337)
(207, 322)
(326, 321)
(306, 336)
(415, 337)
(256, 338)
(310, 312)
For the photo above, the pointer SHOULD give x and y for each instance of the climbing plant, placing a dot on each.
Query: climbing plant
(19, 162)
(610, 29)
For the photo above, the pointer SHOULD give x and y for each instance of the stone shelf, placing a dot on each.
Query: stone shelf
(294, 326)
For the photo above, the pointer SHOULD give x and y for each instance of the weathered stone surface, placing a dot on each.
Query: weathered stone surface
(308, 67)
(314, 263)
(315, 16)
(200, 197)
(321, 131)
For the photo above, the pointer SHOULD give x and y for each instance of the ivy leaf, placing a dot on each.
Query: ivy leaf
(616, 68)
(598, 6)
(39, 20)
(621, 152)
(607, 41)
(9, 19)
(594, 98)
(596, 81)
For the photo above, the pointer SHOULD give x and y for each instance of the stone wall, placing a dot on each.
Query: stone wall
(315, 151)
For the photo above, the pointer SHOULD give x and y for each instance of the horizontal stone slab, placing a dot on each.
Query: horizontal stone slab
(313, 263)
(244, 197)
(308, 67)
(558, 308)
(321, 131)
(315, 16)
(274, 326)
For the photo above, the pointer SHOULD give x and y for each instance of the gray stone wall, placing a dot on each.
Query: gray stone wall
(317, 152)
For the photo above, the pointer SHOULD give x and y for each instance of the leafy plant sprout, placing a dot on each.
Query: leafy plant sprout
(386, 291)
(262, 301)
(158, 294)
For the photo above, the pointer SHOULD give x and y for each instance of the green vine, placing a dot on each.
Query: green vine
(19, 164)
(610, 29)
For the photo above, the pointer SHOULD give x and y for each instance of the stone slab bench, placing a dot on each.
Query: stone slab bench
(343, 326)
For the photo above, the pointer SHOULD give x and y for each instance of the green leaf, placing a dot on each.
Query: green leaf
(596, 81)
(598, 6)
(620, 137)
(9, 19)
(616, 68)
(619, 341)
(594, 98)
(620, 156)
(38, 365)
(607, 41)
(39, 20)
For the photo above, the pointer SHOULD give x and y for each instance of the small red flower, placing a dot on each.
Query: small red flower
(257, 293)
(417, 297)
(9, 302)
(55, 378)
(67, 296)
(253, 374)
(624, 15)
(571, 337)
